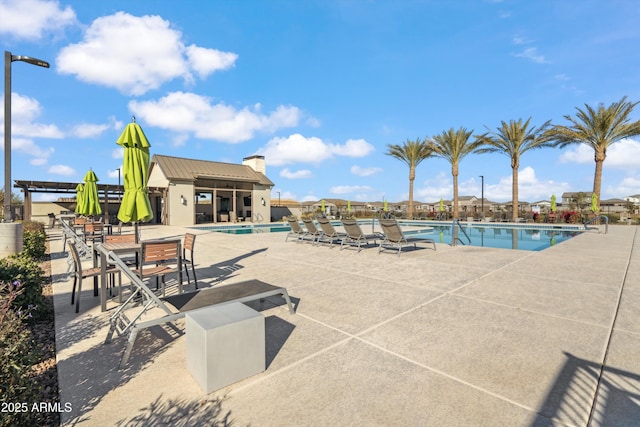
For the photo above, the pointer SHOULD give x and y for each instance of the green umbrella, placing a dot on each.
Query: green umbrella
(553, 203)
(322, 206)
(135, 206)
(594, 203)
(79, 198)
(91, 202)
(349, 206)
(385, 206)
(441, 205)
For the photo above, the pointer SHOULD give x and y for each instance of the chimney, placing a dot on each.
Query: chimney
(257, 163)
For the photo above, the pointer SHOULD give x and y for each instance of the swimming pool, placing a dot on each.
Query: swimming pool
(528, 237)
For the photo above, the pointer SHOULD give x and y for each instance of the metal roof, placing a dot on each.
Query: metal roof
(67, 187)
(178, 168)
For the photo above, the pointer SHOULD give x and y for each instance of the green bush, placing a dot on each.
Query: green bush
(33, 244)
(18, 356)
(22, 268)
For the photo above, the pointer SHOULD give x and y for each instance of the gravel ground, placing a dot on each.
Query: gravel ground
(44, 334)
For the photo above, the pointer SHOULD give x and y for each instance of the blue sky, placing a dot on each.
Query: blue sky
(320, 88)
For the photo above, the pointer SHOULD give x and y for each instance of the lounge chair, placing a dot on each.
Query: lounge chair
(394, 238)
(296, 230)
(329, 233)
(312, 230)
(144, 301)
(355, 236)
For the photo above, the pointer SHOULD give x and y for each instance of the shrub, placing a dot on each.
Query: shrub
(34, 239)
(33, 226)
(18, 355)
(22, 268)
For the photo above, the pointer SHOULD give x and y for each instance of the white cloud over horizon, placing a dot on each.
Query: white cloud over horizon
(623, 154)
(347, 189)
(185, 112)
(135, 54)
(33, 19)
(298, 148)
(530, 188)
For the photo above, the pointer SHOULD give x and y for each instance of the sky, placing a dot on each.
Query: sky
(321, 88)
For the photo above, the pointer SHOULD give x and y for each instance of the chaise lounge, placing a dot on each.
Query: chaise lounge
(355, 236)
(394, 238)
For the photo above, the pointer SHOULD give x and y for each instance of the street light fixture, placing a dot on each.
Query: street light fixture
(8, 59)
(482, 196)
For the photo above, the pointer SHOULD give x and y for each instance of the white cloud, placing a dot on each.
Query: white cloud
(87, 130)
(353, 148)
(532, 54)
(346, 189)
(29, 147)
(357, 170)
(192, 113)
(135, 54)
(623, 154)
(32, 19)
(297, 148)
(627, 187)
(61, 170)
(309, 198)
(530, 188)
(24, 113)
(38, 162)
(117, 153)
(300, 174)
(205, 61)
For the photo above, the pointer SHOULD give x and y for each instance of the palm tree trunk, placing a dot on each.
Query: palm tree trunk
(597, 177)
(412, 177)
(456, 210)
(514, 192)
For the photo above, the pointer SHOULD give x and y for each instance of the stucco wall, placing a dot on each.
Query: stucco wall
(181, 213)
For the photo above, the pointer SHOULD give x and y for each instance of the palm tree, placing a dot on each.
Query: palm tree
(514, 139)
(597, 129)
(412, 153)
(453, 145)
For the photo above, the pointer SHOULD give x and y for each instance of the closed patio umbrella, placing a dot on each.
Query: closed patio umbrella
(79, 198)
(594, 203)
(553, 203)
(135, 206)
(91, 202)
(349, 206)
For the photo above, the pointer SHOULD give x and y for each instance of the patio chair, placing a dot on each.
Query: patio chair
(296, 230)
(312, 230)
(175, 307)
(329, 234)
(159, 258)
(187, 256)
(79, 274)
(394, 238)
(355, 236)
(94, 232)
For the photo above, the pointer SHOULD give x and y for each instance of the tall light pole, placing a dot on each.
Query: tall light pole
(8, 59)
(278, 199)
(482, 196)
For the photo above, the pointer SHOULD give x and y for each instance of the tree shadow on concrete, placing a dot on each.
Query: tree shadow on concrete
(181, 412)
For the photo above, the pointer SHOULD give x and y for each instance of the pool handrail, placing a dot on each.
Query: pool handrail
(598, 217)
(454, 233)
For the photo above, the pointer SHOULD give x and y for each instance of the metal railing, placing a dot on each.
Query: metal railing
(454, 233)
(598, 218)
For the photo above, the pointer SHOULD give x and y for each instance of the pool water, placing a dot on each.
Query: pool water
(518, 237)
(521, 238)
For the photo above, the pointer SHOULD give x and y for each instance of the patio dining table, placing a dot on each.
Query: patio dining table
(100, 251)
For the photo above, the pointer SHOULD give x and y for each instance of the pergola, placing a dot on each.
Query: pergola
(105, 191)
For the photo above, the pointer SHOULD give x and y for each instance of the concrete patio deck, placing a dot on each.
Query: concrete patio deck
(460, 336)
